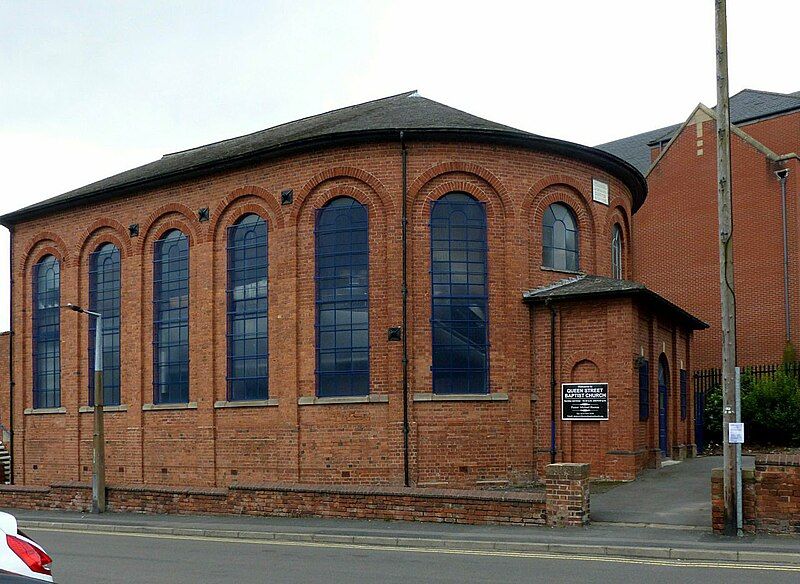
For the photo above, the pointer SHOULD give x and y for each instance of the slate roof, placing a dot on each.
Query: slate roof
(746, 106)
(382, 119)
(591, 287)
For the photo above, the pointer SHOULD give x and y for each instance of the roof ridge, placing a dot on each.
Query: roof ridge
(411, 93)
(791, 95)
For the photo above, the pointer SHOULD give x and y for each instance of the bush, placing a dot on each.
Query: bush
(770, 410)
(712, 415)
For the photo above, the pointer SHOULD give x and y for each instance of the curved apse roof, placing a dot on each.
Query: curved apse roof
(383, 119)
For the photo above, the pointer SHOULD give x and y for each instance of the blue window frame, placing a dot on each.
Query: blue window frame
(644, 390)
(616, 252)
(171, 319)
(104, 297)
(560, 239)
(459, 295)
(342, 298)
(684, 391)
(247, 310)
(46, 344)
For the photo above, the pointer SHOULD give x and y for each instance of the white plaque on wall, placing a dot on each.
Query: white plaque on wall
(599, 191)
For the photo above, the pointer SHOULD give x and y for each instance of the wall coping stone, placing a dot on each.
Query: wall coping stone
(568, 470)
(748, 474)
(778, 459)
(23, 489)
(425, 493)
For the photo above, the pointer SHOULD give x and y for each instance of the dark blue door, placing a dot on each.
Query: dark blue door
(663, 390)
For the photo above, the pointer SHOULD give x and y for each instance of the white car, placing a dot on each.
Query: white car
(19, 554)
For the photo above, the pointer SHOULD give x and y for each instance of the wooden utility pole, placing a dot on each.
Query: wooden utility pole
(727, 295)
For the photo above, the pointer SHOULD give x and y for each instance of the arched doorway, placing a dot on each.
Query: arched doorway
(663, 394)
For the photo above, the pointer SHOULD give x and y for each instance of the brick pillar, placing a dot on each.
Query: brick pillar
(567, 492)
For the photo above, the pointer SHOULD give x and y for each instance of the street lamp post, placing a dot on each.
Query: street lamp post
(98, 439)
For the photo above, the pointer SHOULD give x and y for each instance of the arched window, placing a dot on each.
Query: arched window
(459, 294)
(247, 309)
(342, 298)
(616, 252)
(46, 343)
(104, 297)
(171, 319)
(560, 239)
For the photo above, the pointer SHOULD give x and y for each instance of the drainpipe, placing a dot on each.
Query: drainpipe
(782, 174)
(404, 224)
(11, 342)
(552, 308)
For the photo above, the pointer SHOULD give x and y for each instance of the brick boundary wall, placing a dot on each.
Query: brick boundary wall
(770, 496)
(564, 502)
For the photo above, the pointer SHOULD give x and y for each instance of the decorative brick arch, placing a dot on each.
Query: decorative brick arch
(495, 215)
(304, 195)
(534, 207)
(169, 216)
(457, 167)
(42, 244)
(247, 199)
(569, 363)
(104, 230)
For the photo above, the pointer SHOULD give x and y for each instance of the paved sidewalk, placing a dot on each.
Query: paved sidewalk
(596, 540)
(679, 494)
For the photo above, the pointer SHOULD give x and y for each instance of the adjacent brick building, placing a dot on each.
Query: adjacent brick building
(280, 306)
(678, 225)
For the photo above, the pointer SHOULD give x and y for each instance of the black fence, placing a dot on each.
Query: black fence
(707, 379)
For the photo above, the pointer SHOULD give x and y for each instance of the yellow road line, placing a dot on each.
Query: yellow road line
(463, 552)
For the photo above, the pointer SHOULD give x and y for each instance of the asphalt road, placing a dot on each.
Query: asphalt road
(112, 558)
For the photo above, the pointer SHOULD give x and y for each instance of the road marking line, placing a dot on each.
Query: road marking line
(463, 552)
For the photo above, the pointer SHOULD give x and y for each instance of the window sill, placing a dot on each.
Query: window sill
(88, 409)
(436, 397)
(42, 411)
(186, 406)
(249, 403)
(573, 272)
(350, 399)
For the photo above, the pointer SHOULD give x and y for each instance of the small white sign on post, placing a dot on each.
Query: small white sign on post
(736, 433)
(599, 191)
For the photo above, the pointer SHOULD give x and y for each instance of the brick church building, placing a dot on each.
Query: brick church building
(390, 293)
(678, 224)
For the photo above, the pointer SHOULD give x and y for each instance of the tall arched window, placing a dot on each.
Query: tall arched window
(616, 252)
(171, 319)
(247, 309)
(560, 239)
(459, 295)
(342, 298)
(104, 297)
(46, 343)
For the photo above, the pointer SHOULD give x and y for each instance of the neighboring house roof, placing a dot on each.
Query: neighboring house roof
(382, 119)
(585, 287)
(746, 106)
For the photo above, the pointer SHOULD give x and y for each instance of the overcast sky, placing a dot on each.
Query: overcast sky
(92, 88)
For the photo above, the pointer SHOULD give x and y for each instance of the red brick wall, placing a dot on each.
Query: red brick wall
(452, 443)
(5, 379)
(601, 341)
(770, 496)
(676, 243)
(430, 505)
